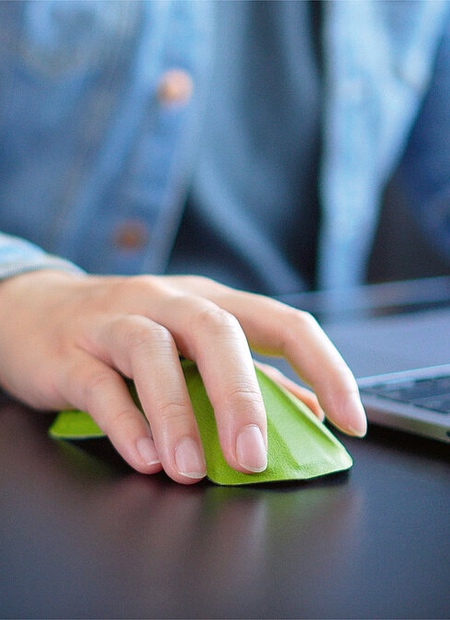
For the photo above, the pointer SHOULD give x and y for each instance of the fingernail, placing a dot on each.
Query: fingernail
(147, 451)
(189, 459)
(251, 450)
(358, 425)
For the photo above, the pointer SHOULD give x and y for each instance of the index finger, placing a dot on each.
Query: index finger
(274, 328)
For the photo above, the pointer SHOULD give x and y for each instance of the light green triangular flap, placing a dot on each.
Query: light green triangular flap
(74, 424)
(300, 446)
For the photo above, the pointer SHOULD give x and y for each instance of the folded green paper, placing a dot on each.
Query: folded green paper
(300, 446)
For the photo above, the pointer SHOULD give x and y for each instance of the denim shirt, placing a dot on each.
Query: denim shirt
(99, 136)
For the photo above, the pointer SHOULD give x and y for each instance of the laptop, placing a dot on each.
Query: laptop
(402, 364)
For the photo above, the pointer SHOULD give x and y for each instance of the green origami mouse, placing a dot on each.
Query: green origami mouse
(300, 447)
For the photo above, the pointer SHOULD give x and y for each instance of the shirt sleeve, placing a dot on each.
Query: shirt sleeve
(20, 256)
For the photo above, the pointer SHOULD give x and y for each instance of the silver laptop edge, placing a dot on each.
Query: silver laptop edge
(404, 416)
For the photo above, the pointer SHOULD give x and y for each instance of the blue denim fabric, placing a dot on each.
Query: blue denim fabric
(381, 58)
(86, 143)
(424, 173)
(253, 206)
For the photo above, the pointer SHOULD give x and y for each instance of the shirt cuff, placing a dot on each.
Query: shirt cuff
(19, 256)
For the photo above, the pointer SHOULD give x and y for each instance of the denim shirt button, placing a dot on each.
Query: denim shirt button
(175, 87)
(131, 235)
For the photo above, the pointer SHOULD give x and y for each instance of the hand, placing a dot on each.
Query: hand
(68, 341)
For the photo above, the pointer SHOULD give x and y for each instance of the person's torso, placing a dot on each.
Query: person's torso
(95, 108)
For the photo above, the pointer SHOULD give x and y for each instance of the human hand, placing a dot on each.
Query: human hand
(69, 341)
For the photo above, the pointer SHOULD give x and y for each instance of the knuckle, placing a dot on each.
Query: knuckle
(140, 333)
(293, 324)
(197, 280)
(215, 320)
(133, 288)
(97, 380)
(96, 383)
(290, 316)
(300, 318)
(203, 284)
(244, 393)
(120, 419)
(171, 411)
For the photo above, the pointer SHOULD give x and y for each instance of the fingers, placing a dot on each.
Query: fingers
(209, 332)
(145, 351)
(298, 337)
(99, 328)
(214, 339)
(274, 328)
(149, 353)
(93, 386)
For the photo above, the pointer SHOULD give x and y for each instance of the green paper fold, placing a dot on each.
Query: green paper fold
(300, 446)
(74, 424)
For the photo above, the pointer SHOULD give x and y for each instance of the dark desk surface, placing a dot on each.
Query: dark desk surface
(81, 535)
